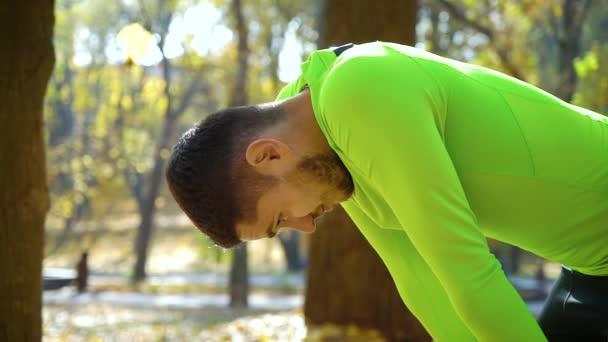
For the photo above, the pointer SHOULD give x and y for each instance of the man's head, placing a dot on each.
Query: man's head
(243, 172)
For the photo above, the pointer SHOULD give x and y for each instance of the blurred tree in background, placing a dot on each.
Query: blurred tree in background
(239, 275)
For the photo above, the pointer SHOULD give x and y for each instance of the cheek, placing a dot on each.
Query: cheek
(301, 203)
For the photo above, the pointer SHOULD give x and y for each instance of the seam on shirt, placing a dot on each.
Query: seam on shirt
(441, 90)
(495, 89)
(430, 75)
(521, 131)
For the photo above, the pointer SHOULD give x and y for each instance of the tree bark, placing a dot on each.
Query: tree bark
(239, 93)
(347, 281)
(147, 207)
(26, 61)
(239, 273)
(239, 278)
(290, 241)
(569, 44)
(362, 21)
(146, 188)
(147, 195)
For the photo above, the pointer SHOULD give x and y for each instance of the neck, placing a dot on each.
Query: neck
(302, 128)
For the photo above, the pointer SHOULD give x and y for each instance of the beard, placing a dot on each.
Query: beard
(327, 169)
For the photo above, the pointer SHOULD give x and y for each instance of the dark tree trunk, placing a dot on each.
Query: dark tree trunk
(359, 21)
(148, 209)
(146, 189)
(290, 241)
(569, 45)
(239, 273)
(514, 260)
(239, 92)
(347, 281)
(26, 62)
(147, 199)
(239, 282)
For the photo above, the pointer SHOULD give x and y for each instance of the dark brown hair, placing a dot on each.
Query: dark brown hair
(209, 177)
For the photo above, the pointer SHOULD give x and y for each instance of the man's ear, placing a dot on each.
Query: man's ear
(262, 152)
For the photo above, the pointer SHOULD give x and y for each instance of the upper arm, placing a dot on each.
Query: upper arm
(385, 118)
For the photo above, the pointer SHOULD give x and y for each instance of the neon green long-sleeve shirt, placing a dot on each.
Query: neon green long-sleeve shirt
(444, 154)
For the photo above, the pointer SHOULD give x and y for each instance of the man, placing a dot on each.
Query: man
(428, 156)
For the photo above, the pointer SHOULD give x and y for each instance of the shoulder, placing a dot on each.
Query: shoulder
(374, 71)
(373, 77)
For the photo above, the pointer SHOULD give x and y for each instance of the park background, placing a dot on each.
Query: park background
(131, 75)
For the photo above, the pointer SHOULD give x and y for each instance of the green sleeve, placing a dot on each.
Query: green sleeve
(385, 117)
(416, 283)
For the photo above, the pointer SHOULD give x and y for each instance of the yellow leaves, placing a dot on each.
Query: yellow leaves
(64, 207)
(140, 167)
(121, 164)
(588, 63)
(87, 160)
(76, 166)
(114, 153)
(469, 3)
(557, 9)
(137, 40)
(592, 86)
(286, 326)
(106, 171)
(347, 333)
(153, 89)
(165, 153)
(126, 103)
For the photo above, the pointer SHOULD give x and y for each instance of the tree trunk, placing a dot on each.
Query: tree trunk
(362, 21)
(347, 281)
(239, 282)
(239, 273)
(514, 260)
(147, 208)
(290, 241)
(569, 44)
(26, 62)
